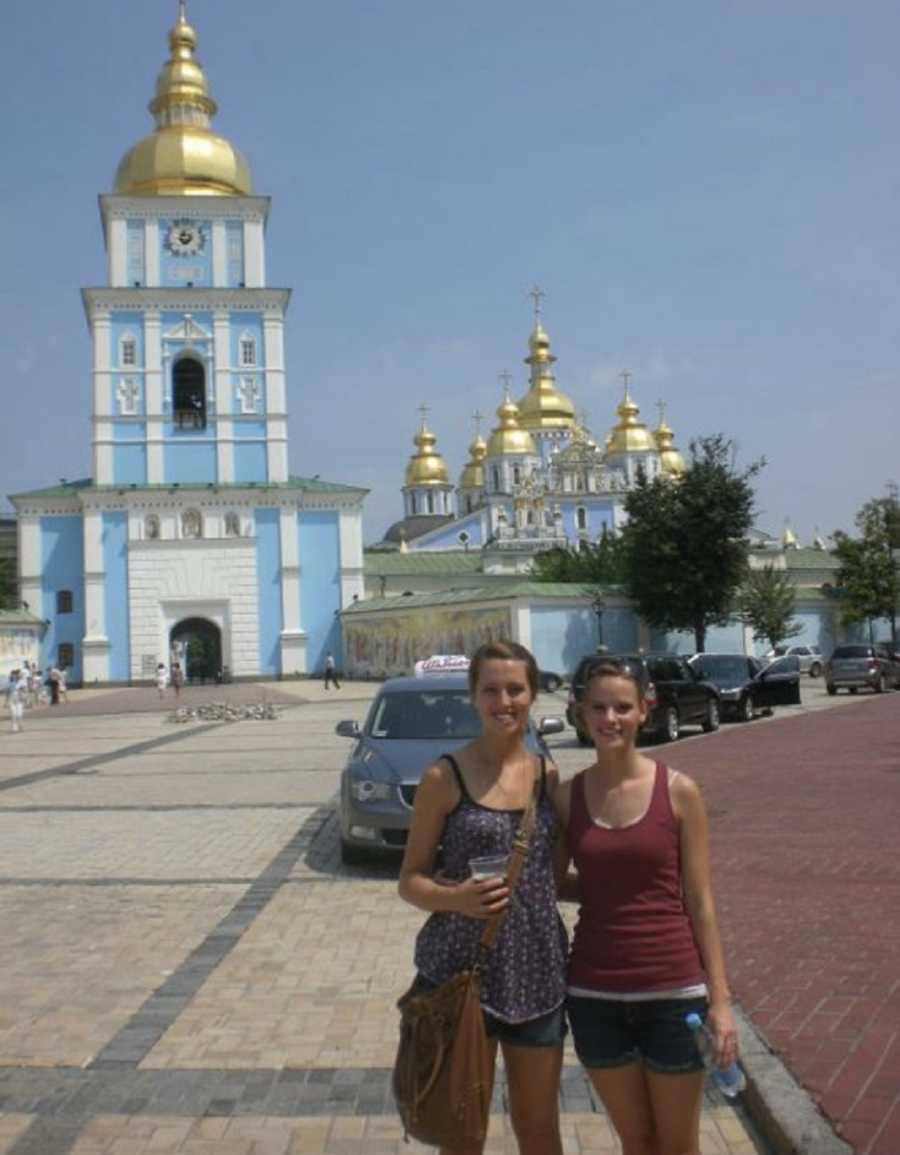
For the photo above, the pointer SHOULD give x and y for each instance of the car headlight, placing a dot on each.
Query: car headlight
(730, 693)
(365, 790)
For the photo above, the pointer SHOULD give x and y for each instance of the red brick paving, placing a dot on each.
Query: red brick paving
(806, 858)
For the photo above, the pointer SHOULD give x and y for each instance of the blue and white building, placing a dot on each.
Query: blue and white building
(191, 524)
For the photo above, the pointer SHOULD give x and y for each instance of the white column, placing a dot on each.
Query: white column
(276, 399)
(351, 556)
(102, 398)
(95, 644)
(254, 255)
(293, 636)
(151, 253)
(30, 563)
(224, 397)
(153, 391)
(117, 254)
(277, 450)
(520, 622)
(219, 254)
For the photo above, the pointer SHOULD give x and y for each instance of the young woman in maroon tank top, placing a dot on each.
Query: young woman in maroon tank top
(471, 804)
(646, 950)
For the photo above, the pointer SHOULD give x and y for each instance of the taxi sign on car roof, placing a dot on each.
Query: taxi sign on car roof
(441, 664)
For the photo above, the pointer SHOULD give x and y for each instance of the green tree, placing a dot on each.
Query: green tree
(598, 563)
(868, 580)
(685, 544)
(768, 603)
(7, 583)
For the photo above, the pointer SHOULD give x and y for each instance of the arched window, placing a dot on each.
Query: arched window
(191, 523)
(581, 517)
(232, 524)
(495, 474)
(248, 350)
(517, 475)
(151, 527)
(63, 601)
(430, 499)
(189, 394)
(412, 503)
(127, 350)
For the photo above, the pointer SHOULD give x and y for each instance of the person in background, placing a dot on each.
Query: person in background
(331, 672)
(177, 678)
(646, 951)
(162, 678)
(53, 679)
(15, 691)
(64, 683)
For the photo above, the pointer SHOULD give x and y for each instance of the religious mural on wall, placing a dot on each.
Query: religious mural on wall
(17, 645)
(391, 644)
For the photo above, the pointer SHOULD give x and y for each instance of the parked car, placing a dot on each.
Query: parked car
(850, 667)
(811, 660)
(746, 686)
(411, 722)
(676, 695)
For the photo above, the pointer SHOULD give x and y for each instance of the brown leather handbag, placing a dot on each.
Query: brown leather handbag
(443, 1074)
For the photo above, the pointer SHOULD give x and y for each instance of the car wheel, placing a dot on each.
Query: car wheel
(815, 670)
(353, 855)
(745, 708)
(671, 727)
(852, 689)
(832, 690)
(711, 721)
(552, 684)
(881, 684)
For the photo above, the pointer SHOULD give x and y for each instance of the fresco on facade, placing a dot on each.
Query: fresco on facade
(392, 643)
(16, 645)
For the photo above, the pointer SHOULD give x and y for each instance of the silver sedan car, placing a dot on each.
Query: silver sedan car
(411, 723)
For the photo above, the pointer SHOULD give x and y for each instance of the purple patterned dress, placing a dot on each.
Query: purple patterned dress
(526, 969)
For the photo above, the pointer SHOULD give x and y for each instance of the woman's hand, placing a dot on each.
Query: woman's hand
(480, 899)
(721, 1024)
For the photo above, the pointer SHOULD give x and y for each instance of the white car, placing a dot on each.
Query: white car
(811, 660)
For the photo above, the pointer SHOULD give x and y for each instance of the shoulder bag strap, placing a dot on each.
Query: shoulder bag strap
(520, 847)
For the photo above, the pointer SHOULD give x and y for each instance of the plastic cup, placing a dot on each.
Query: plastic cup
(488, 866)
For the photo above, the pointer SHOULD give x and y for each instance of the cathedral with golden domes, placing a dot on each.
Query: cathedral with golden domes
(539, 480)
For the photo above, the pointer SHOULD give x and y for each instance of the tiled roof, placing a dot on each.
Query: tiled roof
(380, 563)
(19, 618)
(308, 484)
(502, 591)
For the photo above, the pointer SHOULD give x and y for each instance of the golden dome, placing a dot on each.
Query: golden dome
(472, 476)
(630, 435)
(544, 406)
(509, 437)
(670, 460)
(789, 538)
(426, 466)
(183, 156)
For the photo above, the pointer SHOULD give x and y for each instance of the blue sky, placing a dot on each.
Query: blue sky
(707, 191)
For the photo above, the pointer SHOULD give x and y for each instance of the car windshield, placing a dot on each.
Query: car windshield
(722, 667)
(424, 714)
(852, 652)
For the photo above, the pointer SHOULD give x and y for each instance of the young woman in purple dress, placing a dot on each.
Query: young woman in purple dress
(470, 804)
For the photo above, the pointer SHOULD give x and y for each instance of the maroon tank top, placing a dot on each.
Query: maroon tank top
(633, 933)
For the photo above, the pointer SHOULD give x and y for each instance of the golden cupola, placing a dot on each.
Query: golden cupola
(630, 435)
(426, 466)
(543, 406)
(472, 476)
(183, 156)
(509, 437)
(670, 460)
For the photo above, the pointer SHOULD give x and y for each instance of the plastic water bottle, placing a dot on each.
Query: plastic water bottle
(730, 1080)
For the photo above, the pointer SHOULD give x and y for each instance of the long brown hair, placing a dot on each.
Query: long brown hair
(617, 668)
(504, 651)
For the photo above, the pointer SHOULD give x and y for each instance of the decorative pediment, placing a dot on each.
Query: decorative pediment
(187, 330)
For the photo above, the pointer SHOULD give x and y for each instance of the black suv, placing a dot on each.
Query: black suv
(675, 694)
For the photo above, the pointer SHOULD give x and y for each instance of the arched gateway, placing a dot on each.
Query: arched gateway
(199, 642)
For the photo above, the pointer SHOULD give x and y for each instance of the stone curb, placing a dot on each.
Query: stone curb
(780, 1109)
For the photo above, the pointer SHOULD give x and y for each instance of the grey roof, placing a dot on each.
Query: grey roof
(409, 528)
(307, 484)
(19, 618)
(502, 591)
(452, 562)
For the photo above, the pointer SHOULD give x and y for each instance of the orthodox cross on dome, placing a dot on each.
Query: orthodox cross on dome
(182, 11)
(661, 407)
(477, 418)
(506, 379)
(537, 295)
(626, 376)
(423, 411)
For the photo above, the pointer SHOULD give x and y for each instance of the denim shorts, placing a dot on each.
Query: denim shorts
(548, 1030)
(614, 1033)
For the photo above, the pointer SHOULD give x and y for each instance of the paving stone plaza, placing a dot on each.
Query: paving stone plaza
(186, 966)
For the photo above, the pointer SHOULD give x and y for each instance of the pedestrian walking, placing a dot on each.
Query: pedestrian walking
(331, 672)
(53, 682)
(162, 678)
(177, 678)
(470, 804)
(16, 690)
(64, 683)
(646, 951)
